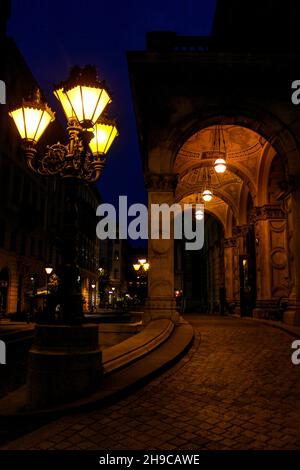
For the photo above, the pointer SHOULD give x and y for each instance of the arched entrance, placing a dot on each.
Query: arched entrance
(251, 206)
(199, 275)
(179, 93)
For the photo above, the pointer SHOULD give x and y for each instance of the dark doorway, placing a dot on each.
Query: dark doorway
(247, 269)
(200, 274)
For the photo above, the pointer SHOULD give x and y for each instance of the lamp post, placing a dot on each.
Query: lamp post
(141, 268)
(83, 98)
(49, 271)
(64, 351)
(93, 286)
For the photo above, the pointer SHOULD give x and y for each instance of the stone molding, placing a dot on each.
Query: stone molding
(229, 242)
(269, 211)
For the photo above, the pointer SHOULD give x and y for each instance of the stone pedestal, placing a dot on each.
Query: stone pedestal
(159, 307)
(292, 315)
(64, 364)
(229, 248)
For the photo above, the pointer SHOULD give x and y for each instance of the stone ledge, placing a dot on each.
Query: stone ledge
(134, 348)
(290, 329)
(158, 346)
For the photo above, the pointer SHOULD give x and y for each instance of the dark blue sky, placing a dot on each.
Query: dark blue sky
(54, 35)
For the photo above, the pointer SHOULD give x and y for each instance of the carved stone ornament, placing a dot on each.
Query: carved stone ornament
(161, 182)
(229, 242)
(270, 211)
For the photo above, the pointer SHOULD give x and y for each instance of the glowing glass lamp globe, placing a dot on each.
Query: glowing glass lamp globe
(199, 214)
(220, 165)
(207, 195)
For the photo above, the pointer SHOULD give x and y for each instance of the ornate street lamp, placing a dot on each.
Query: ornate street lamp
(83, 98)
(141, 269)
(49, 271)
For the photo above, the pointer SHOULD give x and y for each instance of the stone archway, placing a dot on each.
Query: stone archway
(253, 213)
(178, 93)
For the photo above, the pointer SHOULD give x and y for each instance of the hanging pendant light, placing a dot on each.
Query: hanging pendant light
(207, 192)
(207, 195)
(220, 162)
(220, 165)
(199, 214)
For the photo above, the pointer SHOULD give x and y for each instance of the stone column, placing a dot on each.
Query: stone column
(292, 315)
(239, 248)
(13, 287)
(272, 278)
(229, 246)
(161, 299)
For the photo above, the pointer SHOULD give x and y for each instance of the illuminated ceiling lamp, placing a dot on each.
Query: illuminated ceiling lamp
(220, 165)
(220, 162)
(207, 194)
(199, 214)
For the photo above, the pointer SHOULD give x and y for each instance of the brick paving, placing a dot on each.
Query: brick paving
(235, 389)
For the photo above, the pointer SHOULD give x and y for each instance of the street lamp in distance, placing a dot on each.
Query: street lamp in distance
(49, 271)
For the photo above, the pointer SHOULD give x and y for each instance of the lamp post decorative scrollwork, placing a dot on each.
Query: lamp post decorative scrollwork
(84, 99)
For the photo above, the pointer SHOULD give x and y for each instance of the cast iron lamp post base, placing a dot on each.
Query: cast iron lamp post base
(64, 364)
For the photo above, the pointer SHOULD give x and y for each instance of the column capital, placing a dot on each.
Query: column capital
(229, 242)
(240, 230)
(269, 211)
(166, 182)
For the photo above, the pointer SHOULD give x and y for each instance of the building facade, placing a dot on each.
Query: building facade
(241, 84)
(32, 207)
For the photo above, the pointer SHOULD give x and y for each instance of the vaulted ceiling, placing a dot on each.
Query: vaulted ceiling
(194, 162)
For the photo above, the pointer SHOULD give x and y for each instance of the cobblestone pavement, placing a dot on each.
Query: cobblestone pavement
(235, 389)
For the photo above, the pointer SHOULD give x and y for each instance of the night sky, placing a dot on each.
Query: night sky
(54, 35)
